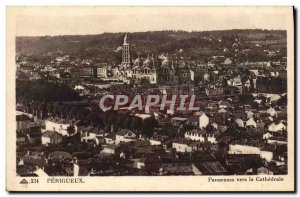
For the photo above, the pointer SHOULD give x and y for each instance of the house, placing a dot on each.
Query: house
(197, 145)
(51, 137)
(111, 149)
(92, 133)
(264, 171)
(38, 161)
(240, 122)
(237, 82)
(272, 112)
(21, 137)
(222, 110)
(277, 140)
(212, 136)
(34, 134)
(88, 71)
(157, 140)
(212, 106)
(272, 127)
(267, 154)
(196, 134)
(23, 122)
(125, 135)
(250, 114)
(60, 156)
(276, 128)
(178, 120)
(224, 104)
(182, 145)
(103, 71)
(109, 138)
(264, 153)
(193, 120)
(203, 121)
(280, 127)
(243, 149)
(267, 135)
(35, 76)
(251, 123)
(64, 164)
(176, 168)
(209, 168)
(150, 164)
(227, 61)
(59, 125)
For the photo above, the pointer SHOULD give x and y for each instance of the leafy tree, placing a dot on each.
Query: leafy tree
(127, 122)
(73, 111)
(50, 108)
(148, 125)
(71, 130)
(136, 123)
(145, 82)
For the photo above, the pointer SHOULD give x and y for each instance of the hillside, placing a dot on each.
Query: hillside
(191, 44)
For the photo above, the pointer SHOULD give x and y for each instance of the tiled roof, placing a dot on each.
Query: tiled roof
(211, 168)
(22, 117)
(50, 134)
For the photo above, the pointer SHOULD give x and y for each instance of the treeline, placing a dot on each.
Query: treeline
(191, 44)
(42, 91)
(44, 100)
(110, 121)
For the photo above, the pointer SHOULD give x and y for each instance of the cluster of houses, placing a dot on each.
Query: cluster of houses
(221, 139)
(238, 129)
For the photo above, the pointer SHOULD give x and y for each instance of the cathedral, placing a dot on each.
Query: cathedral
(156, 70)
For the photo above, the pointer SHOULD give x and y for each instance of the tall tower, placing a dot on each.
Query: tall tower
(126, 53)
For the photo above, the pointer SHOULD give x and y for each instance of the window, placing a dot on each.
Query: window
(146, 70)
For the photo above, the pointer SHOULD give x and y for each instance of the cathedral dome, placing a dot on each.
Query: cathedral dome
(137, 61)
(166, 61)
(148, 61)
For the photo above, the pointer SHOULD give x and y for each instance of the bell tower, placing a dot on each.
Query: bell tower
(126, 53)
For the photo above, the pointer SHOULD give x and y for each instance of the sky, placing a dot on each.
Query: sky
(51, 21)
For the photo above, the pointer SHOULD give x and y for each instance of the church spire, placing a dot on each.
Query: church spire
(125, 39)
(125, 52)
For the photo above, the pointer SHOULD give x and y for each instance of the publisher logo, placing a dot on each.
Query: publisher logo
(24, 181)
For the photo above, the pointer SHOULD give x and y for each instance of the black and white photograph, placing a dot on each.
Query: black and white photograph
(202, 92)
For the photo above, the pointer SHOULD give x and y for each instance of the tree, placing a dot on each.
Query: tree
(127, 122)
(71, 130)
(136, 123)
(145, 82)
(93, 118)
(148, 125)
(111, 119)
(66, 110)
(50, 108)
(55, 110)
(73, 111)
(120, 119)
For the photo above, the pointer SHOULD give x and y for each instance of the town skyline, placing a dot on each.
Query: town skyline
(184, 98)
(75, 112)
(149, 31)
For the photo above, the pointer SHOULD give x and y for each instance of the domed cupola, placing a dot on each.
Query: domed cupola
(138, 61)
(166, 61)
(148, 62)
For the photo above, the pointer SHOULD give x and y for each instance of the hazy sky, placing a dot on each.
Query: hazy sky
(95, 20)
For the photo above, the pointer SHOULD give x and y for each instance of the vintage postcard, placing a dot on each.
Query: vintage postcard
(150, 99)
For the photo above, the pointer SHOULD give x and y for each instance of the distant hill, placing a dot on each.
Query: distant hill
(105, 46)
